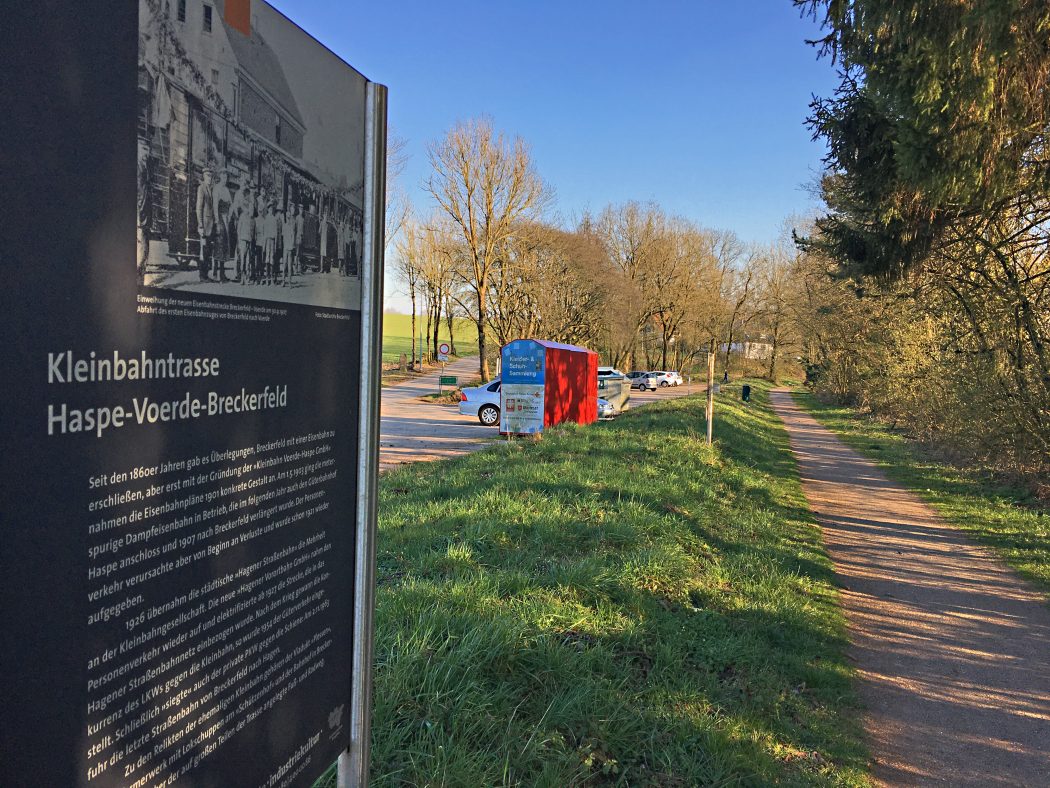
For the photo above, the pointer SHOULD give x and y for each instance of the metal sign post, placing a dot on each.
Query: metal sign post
(353, 764)
(443, 351)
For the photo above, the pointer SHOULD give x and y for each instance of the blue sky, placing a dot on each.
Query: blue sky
(697, 105)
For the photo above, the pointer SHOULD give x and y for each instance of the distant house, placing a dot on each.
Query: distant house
(757, 349)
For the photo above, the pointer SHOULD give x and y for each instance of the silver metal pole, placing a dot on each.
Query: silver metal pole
(353, 764)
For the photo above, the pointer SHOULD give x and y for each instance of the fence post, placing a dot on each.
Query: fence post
(710, 397)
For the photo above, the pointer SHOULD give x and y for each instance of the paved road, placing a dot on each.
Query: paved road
(952, 649)
(412, 430)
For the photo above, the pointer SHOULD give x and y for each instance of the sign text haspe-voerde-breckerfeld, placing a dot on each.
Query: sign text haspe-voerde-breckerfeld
(141, 410)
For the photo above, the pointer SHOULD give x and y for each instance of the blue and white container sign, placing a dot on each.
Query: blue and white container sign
(521, 394)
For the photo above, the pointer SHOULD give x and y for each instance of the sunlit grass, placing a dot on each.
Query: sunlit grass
(616, 604)
(397, 336)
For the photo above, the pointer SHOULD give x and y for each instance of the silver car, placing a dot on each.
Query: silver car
(647, 380)
(481, 401)
(665, 379)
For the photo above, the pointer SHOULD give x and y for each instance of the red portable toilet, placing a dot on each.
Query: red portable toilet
(546, 383)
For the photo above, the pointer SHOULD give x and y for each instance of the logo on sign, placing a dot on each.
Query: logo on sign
(335, 718)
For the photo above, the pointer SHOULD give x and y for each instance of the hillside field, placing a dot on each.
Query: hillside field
(397, 336)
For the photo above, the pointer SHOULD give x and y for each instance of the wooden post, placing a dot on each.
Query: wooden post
(710, 397)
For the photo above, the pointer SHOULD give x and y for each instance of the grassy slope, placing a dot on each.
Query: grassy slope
(616, 604)
(1000, 517)
(397, 336)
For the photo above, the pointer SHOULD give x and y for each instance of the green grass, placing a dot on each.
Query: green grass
(397, 336)
(1006, 519)
(616, 604)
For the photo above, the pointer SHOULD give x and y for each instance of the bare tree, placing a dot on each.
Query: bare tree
(775, 293)
(485, 184)
(434, 261)
(738, 291)
(634, 243)
(408, 266)
(551, 283)
(450, 320)
(398, 206)
(689, 292)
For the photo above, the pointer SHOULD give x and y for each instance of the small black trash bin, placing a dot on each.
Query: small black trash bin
(745, 393)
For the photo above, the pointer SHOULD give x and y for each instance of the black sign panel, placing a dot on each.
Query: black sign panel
(181, 243)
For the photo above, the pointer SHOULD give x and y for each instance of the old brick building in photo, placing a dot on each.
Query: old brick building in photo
(213, 97)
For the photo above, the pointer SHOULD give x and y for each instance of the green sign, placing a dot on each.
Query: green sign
(447, 380)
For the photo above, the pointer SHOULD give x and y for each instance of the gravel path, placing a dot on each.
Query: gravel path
(952, 649)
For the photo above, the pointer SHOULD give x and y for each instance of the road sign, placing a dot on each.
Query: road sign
(447, 380)
(443, 351)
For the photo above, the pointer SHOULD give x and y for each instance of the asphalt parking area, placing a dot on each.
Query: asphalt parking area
(414, 430)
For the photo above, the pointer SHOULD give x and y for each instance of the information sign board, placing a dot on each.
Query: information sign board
(523, 388)
(522, 408)
(192, 241)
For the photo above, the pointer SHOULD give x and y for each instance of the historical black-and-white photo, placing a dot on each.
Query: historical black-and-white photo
(250, 156)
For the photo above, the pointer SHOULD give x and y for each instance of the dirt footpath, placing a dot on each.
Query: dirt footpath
(952, 649)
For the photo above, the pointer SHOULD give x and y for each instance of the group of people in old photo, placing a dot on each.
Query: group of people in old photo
(250, 173)
(250, 236)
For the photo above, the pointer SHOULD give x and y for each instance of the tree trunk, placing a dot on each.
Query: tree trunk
(483, 361)
(775, 350)
(412, 295)
(430, 314)
(483, 364)
(451, 325)
(437, 322)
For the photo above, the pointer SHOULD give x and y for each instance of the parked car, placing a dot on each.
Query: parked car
(647, 380)
(482, 402)
(609, 372)
(665, 378)
(605, 409)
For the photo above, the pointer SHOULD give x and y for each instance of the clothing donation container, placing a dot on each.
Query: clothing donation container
(546, 383)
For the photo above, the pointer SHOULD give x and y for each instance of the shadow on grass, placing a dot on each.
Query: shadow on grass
(618, 604)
